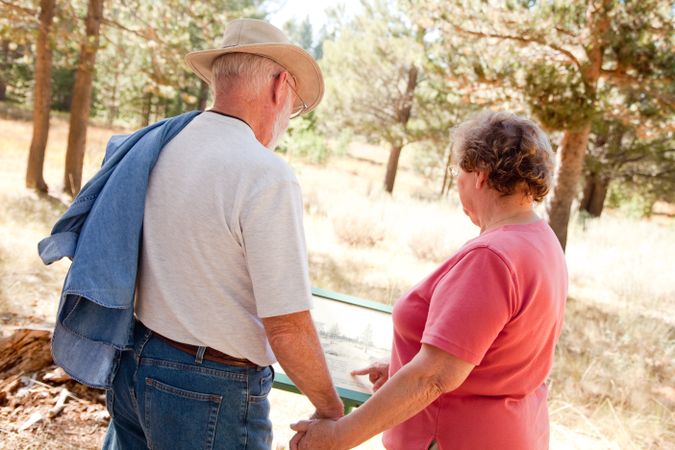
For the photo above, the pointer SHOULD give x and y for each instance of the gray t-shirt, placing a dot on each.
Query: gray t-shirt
(223, 240)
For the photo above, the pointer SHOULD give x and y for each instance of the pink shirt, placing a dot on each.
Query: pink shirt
(498, 304)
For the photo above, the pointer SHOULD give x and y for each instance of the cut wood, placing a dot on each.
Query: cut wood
(24, 351)
(32, 420)
(60, 403)
(56, 376)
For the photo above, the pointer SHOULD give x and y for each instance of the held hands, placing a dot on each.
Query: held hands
(316, 435)
(378, 374)
(321, 431)
(315, 440)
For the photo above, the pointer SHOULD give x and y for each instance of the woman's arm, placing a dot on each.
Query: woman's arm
(431, 372)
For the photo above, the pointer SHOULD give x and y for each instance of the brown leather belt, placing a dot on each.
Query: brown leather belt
(210, 354)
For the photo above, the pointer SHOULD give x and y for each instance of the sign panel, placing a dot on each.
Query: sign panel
(354, 333)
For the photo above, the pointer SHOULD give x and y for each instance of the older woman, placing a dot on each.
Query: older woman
(474, 341)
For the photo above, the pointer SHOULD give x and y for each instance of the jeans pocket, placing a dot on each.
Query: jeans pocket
(261, 387)
(176, 418)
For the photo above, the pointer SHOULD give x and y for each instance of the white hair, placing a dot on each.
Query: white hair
(245, 69)
(281, 122)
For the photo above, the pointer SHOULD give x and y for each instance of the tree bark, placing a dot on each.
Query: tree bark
(42, 94)
(113, 108)
(4, 47)
(3, 90)
(81, 105)
(595, 192)
(203, 95)
(572, 149)
(570, 161)
(392, 167)
(26, 350)
(403, 116)
(447, 178)
(147, 110)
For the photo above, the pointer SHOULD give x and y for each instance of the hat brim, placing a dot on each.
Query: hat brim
(299, 63)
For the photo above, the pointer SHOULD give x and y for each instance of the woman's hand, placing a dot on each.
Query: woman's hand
(316, 434)
(378, 374)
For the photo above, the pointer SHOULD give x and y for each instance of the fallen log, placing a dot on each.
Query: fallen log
(25, 350)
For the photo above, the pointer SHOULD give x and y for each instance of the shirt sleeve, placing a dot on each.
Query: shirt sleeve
(470, 306)
(275, 249)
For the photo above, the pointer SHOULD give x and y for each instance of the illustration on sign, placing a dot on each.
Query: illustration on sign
(353, 336)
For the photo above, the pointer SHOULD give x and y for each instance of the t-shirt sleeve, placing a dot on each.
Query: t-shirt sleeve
(275, 249)
(470, 306)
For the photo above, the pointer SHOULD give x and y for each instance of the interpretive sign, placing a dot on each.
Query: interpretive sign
(354, 333)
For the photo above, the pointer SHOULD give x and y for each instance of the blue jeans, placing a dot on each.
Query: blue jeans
(164, 398)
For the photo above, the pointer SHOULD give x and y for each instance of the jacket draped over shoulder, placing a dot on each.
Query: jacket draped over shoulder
(101, 233)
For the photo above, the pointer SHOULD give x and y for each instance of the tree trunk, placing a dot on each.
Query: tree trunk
(595, 192)
(570, 161)
(392, 167)
(203, 95)
(572, 149)
(4, 44)
(112, 109)
(80, 107)
(147, 110)
(42, 94)
(447, 177)
(587, 193)
(26, 350)
(403, 116)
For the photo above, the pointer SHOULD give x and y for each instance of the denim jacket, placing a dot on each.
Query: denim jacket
(101, 233)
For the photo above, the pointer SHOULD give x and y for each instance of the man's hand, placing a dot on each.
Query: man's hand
(315, 435)
(378, 374)
(333, 415)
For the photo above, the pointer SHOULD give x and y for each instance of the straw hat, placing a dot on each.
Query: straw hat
(261, 38)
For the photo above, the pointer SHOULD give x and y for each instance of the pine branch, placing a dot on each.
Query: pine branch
(623, 78)
(148, 33)
(561, 30)
(523, 39)
(116, 24)
(21, 9)
(620, 77)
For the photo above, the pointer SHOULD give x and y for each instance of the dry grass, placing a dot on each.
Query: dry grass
(612, 385)
(615, 366)
(429, 244)
(359, 228)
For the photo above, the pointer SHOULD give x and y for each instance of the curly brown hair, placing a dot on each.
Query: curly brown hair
(514, 151)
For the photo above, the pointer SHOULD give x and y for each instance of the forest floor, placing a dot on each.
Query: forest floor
(612, 385)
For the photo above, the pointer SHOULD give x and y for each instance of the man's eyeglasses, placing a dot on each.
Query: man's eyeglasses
(298, 108)
(453, 171)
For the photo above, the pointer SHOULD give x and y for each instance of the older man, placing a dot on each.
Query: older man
(223, 288)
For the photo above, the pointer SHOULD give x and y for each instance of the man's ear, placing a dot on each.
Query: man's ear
(279, 87)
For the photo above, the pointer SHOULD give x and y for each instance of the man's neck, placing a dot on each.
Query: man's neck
(228, 115)
(255, 116)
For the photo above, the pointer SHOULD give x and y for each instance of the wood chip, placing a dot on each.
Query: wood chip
(60, 403)
(32, 420)
(57, 375)
(101, 416)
